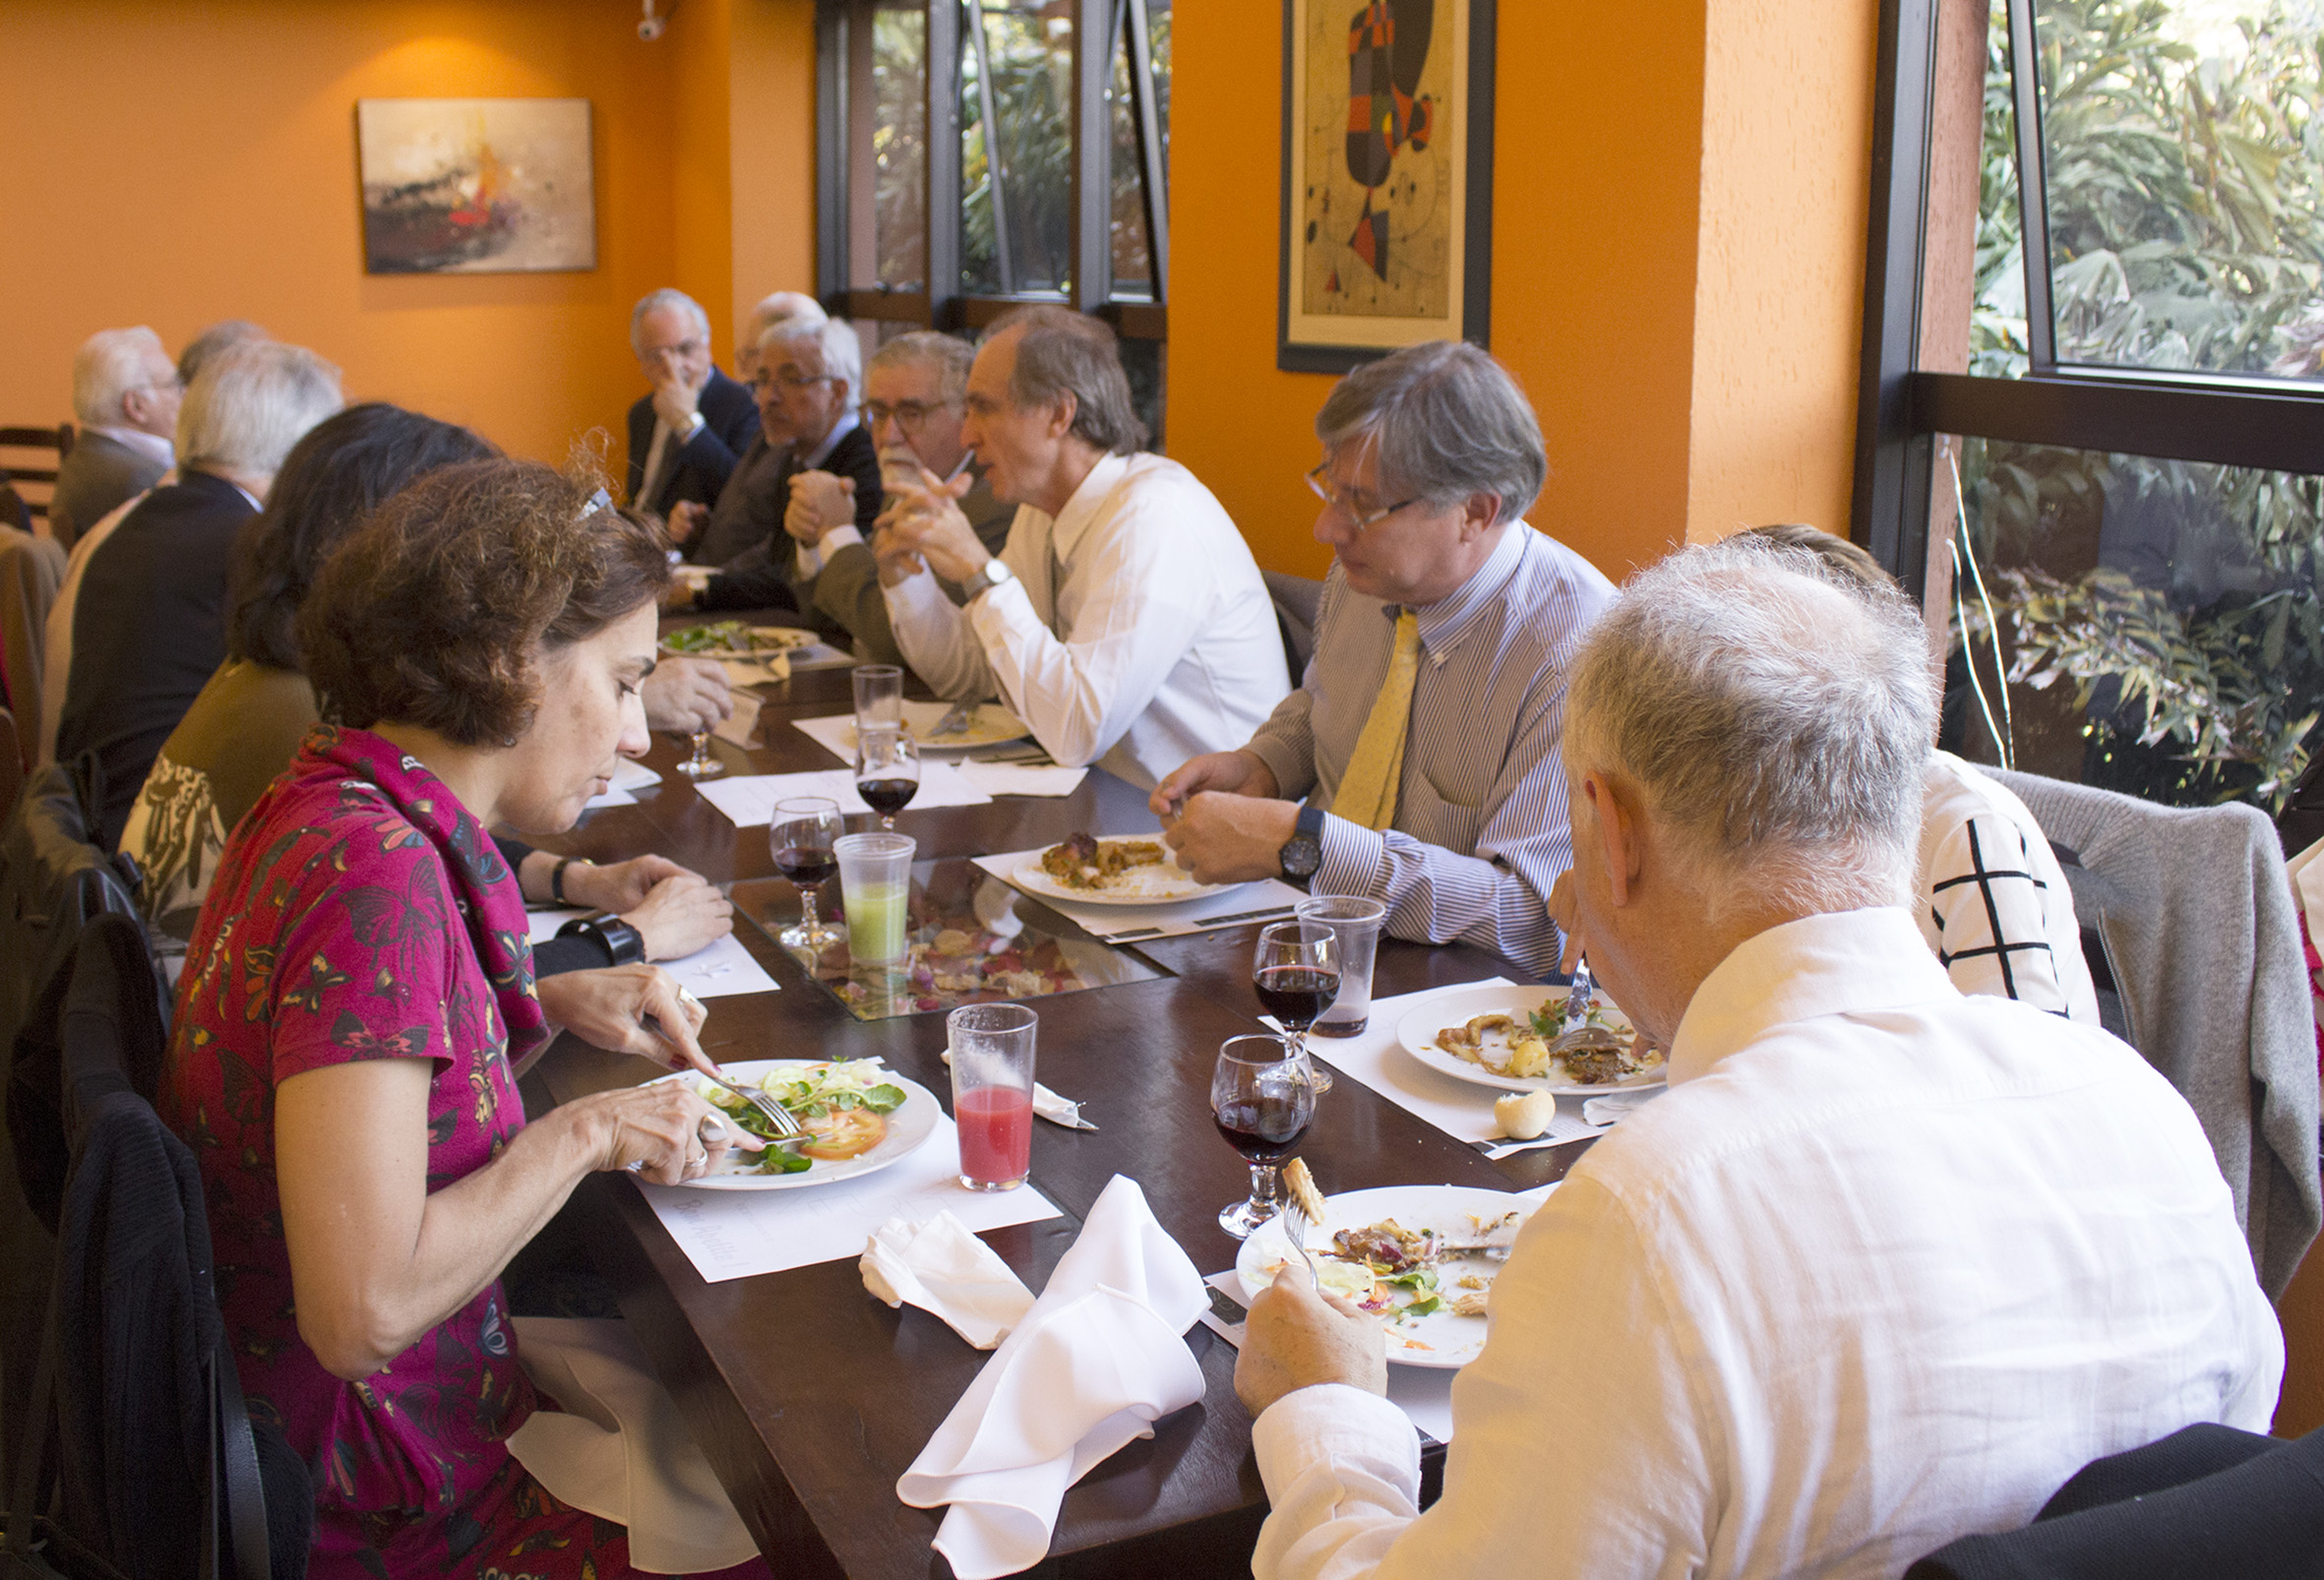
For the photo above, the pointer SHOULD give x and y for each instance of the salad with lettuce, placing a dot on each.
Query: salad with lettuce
(841, 1108)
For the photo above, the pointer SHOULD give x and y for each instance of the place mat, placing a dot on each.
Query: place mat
(1373, 1057)
(719, 968)
(1269, 900)
(748, 800)
(1022, 779)
(740, 1234)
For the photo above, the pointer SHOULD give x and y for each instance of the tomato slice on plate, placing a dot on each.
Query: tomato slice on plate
(843, 1133)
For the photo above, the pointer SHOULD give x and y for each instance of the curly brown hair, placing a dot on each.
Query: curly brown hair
(434, 611)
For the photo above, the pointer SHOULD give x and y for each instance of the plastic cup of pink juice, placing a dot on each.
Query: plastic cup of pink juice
(992, 1053)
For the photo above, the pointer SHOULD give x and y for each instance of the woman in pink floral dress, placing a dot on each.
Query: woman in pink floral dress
(355, 992)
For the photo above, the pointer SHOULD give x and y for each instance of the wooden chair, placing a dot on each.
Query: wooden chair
(48, 448)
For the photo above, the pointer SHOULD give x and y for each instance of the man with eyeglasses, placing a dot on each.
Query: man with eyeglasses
(809, 373)
(683, 436)
(914, 388)
(1418, 762)
(125, 397)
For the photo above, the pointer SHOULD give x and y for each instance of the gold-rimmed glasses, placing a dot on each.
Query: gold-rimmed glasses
(1333, 498)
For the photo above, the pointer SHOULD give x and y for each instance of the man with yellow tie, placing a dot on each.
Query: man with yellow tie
(1424, 736)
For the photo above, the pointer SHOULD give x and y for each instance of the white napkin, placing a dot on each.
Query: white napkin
(620, 1449)
(742, 724)
(1022, 779)
(1093, 1364)
(942, 1268)
(1617, 1106)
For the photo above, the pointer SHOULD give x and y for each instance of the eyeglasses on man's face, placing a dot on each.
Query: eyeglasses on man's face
(789, 378)
(908, 414)
(1346, 504)
(683, 352)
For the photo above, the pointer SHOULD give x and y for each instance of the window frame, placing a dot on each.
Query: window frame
(942, 303)
(1903, 410)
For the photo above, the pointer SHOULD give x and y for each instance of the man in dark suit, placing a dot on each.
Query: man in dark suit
(809, 376)
(683, 436)
(148, 623)
(125, 395)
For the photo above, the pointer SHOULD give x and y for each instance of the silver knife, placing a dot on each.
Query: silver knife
(955, 722)
(1577, 1002)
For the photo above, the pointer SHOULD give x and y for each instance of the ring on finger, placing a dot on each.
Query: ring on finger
(710, 1128)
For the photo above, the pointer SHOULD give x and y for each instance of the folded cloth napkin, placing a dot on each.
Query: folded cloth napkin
(1617, 1106)
(1095, 1363)
(741, 725)
(619, 1448)
(1021, 779)
(941, 1267)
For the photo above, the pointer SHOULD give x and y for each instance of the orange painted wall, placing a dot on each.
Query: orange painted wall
(174, 164)
(1673, 197)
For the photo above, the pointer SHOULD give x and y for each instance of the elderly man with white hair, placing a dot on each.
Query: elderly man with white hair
(685, 434)
(125, 397)
(148, 621)
(1884, 1266)
(809, 379)
(775, 307)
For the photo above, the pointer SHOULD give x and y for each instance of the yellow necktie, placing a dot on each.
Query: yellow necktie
(1368, 790)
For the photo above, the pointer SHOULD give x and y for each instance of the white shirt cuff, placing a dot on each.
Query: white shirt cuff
(837, 539)
(1333, 1420)
(1352, 857)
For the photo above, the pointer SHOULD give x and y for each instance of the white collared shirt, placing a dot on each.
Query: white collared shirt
(813, 554)
(1885, 1268)
(151, 445)
(1136, 633)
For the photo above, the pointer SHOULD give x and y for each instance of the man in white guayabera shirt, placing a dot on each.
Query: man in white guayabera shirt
(1884, 1266)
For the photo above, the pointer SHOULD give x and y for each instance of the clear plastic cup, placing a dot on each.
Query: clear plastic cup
(878, 693)
(992, 1053)
(876, 887)
(1355, 922)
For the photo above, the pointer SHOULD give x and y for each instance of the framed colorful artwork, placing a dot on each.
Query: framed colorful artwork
(1387, 178)
(477, 186)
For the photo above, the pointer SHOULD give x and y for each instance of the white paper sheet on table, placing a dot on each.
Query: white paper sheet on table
(1268, 900)
(719, 968)
(740, 1234)
(1022, 778)
(1460, 1108)
(748, 801)
(628, 779)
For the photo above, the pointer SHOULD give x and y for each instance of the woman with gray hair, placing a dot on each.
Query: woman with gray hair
(147, 616)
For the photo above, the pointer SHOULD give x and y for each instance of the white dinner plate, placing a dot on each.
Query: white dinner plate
(1441, 1339)
(990, 725)
(1417, 1032)
(909, 1126)
(1177, 885)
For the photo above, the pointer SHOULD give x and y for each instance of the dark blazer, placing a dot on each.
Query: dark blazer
(149, 627)
(746, 510)
(759, 577)
(704, 462)
(97, 476)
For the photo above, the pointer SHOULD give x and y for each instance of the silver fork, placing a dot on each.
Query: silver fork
(776, 1115)
(955, 722)
(1577, 1002)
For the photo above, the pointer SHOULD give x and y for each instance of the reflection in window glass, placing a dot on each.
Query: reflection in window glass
(1134, 266)
(2184, 156)
(1016, 171)
(2159, 620)
(898, 107)
(1997, 318)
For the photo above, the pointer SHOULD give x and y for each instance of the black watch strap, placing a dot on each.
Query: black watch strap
(1303, 853)
(624, 944)
(557, 880)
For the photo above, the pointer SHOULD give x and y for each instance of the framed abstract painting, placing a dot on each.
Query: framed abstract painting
(477, 186)
(1387, 178)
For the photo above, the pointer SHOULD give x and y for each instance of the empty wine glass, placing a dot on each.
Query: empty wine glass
(886, 770)
(1263, 1098)
(1296, 972)
(701, 766)
(799, 836)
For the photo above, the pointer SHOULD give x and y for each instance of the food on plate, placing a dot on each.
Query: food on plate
(1302, 1185)
(735, 636)
(1523, 1115)
(1084, 862)
(842, 1107)
(1594, 1054)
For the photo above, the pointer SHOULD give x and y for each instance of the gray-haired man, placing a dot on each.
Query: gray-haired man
(126, 394)
(1125, 620)
(685, 435)
(1424, 738)
(1884, 1266)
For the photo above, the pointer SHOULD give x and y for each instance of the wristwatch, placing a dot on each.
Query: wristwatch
(1303, 852)
(993, 575)
(624, 944)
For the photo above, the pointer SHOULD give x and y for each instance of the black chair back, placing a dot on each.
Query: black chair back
(1295, 599)
(31, 456)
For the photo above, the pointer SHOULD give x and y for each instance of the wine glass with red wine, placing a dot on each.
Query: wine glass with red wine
(799, 836)
(886, 770)
(1263, 1099)
(1296, 971)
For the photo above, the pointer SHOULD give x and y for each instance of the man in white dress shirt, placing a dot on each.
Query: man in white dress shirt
(1885, 1265)
(1125, 620)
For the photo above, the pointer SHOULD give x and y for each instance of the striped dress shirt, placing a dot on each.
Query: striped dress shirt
(1480, 831)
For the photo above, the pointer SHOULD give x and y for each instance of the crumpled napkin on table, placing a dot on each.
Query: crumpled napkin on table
(1617, 1106)
(1098, 1359)
(942, 1268)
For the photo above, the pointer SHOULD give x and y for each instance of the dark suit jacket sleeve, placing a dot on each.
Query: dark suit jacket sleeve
(759, 577)
(729, 419)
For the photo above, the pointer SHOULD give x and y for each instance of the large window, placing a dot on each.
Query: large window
(1042, 180)
(2093, 380)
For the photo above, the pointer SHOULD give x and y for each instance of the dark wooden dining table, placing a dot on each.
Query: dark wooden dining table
(809, 1396)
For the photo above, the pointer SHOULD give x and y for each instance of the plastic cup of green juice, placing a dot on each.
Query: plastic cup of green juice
(876, 887)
